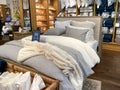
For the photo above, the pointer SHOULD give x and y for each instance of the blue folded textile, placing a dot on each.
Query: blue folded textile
(107, 38)
(108, 23)
(110, 8)
(104, 1)
(3, 65)
(105, 8)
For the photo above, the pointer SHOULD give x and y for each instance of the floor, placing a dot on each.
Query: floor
(108, 71)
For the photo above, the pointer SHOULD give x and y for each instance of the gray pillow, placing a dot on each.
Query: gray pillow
(62, 24)
(55, 31)
(86, 24)
(76, 32)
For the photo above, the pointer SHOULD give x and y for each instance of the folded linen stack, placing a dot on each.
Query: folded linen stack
(108, 23)
(117, 39)
(20, 81)
(107, 38)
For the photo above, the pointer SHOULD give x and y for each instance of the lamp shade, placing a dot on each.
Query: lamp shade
(3, 2)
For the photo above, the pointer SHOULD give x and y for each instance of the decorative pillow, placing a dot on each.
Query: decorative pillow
(62, 24)
(36, 35)
(76, 32)
(55, 31)
(85, 24)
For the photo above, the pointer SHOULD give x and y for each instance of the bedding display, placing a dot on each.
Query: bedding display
(63, 57)
(22, 81)
(50, 83)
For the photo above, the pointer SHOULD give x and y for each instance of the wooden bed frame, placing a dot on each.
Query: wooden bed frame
(53, 84)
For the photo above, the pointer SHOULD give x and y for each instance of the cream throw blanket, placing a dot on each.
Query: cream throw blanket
(59, 57)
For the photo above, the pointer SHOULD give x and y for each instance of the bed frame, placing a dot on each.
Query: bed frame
(97, 31)
(52, 84)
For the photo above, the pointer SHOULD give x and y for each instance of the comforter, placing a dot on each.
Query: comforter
(83, 54)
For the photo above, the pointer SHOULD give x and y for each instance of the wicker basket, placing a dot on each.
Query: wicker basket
(19, 35)
(51, 84)
(15, 27)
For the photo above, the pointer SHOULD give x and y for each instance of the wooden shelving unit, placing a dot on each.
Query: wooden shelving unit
(43, 13)
(90, 10)
(4, 11)
(53, 11)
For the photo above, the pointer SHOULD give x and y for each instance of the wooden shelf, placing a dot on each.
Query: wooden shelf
(37, 15)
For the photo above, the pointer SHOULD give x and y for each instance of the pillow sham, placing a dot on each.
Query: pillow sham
(75, 32)
(55, 31)
(85, 24)
(62, 24)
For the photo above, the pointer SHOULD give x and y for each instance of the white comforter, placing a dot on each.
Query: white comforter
(89, 55)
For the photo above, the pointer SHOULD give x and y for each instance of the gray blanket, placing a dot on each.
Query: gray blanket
(43, 65)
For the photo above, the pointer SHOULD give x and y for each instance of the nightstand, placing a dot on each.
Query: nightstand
(20, 35)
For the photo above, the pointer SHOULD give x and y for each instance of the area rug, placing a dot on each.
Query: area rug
(91, 84)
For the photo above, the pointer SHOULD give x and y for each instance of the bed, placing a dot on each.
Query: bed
(58, 57)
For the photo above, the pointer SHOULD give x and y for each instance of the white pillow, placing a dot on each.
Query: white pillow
(62, 24)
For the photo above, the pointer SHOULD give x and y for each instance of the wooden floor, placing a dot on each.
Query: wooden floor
(108, 71)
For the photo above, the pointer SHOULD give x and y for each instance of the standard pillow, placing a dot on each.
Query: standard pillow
(75, 32)
(62, 24)
(55, 31)
(85, 24)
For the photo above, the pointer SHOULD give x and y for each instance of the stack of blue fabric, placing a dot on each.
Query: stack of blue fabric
(107, 38)
(108, 23)
(105, 8)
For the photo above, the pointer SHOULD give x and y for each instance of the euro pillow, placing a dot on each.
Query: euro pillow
(85, 24)
(62, 24)
(76, 32)
(55, 31)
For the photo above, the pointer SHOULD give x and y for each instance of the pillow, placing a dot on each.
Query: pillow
(36, 35)
(85, 24)
(55, 31)
(62, 24)
(75, 32)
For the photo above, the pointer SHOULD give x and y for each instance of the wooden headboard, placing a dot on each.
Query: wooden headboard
(97, 31)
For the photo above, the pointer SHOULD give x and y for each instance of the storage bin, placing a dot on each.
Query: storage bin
(51, 84)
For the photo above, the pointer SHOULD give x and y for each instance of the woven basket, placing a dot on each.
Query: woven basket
(19, 35)
(15, 27)
(51, 84)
